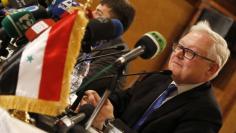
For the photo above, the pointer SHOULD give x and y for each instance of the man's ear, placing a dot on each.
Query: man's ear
(213, 68)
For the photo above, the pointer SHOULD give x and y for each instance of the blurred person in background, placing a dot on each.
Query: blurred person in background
(111, 9)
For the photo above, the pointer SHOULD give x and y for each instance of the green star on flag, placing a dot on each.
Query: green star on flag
(29, 58)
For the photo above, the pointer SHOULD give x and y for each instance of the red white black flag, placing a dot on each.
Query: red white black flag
(37, 78)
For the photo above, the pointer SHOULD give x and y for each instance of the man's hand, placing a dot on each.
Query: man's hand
(106, 112)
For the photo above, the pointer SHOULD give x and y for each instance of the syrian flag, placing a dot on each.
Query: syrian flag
(37, 78)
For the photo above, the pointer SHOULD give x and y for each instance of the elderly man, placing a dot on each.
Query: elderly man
(178, 103)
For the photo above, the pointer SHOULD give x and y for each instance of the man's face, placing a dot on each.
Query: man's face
(196, 70)
(102, 11)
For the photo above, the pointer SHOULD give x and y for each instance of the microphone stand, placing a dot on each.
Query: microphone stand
(105, 96)
(100, 56)
(82, 87)
(81, 90)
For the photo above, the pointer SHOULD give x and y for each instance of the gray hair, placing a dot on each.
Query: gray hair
(219, 50)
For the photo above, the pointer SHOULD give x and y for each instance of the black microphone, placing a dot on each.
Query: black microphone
(44, 3)
(5, 39)
(100, 29)
(67, 122)
(1, 6)
(16, 24)
(150, 45)
(77, 129)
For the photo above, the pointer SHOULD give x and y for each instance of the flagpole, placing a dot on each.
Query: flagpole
(105, 95)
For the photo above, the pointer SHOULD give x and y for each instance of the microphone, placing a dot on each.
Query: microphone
(101, 29)
(5, 39)
(58, 9)
(66, 122)
(18, 3)
(33, 8)
(44, 3)
(148, 46)
(1, 6)
(17, 23)
(36, 29)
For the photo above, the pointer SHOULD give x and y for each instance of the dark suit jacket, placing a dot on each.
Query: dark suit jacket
(194, 111)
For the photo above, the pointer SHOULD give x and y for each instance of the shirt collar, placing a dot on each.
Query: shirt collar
(185, 87)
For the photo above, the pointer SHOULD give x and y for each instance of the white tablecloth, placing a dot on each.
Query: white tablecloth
(10, 124)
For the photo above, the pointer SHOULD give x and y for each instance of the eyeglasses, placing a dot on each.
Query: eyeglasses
(188, 53)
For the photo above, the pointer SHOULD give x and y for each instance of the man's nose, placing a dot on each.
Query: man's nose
(179, 53)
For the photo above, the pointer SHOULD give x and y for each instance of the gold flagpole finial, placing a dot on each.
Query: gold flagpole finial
(88, 4)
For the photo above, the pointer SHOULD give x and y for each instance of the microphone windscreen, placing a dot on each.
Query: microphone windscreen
(38, 12)
(4, 42)
(44, 3)
(103, 29)
(77, 129)
(4, 36)
(60, 7)
(154, 44)
(88, 110)
(16, 24)
(120, 47)
(118, 27)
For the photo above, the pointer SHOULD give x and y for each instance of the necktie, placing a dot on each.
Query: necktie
(155, 105)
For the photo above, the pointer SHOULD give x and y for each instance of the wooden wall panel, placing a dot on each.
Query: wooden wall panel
(225, 92)
(225, 85)
(229, 122)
